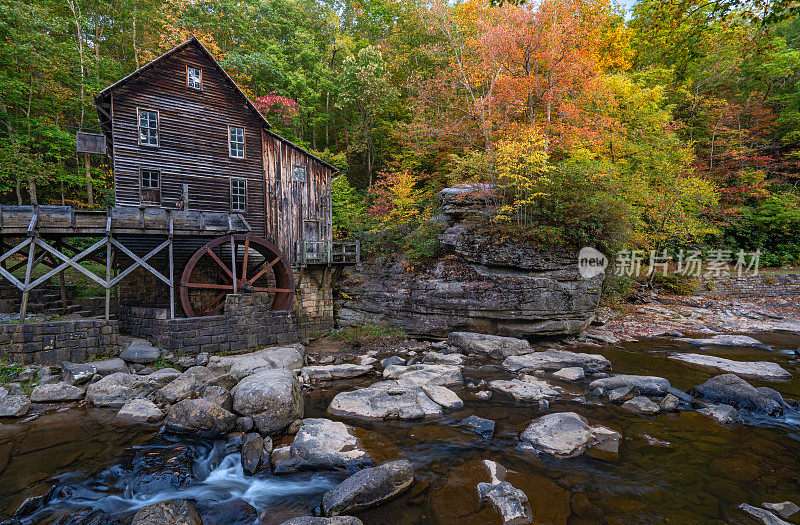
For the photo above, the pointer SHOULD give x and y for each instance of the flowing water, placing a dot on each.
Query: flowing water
(703, 474)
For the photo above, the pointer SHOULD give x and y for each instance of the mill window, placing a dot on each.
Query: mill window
(194, 77)
(148, 127)
(238, 195)
(236, 142)
(150, 181)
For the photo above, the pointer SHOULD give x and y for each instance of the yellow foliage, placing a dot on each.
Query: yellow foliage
(521, 171)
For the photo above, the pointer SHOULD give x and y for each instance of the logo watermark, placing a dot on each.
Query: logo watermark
(591, 262)
(715, 263)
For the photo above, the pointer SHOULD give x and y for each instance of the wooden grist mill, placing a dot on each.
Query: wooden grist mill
(208, 201)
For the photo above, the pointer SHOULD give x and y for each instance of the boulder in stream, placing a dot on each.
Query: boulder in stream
(290, 357)
(762, 370)
(421, 374)
(783, 509)
(510, 503)
(56, 393)
(722, 414)
(732, 390)
(115, 389)
(272, 397)
(481, 426)
(494, 346)
(762, 515)
(78, 373)
(174, 512)
(234, 510)
(726, 340)
(14, 405)
(385, 400)
(188, 384)
(322, 444)
(140, 411)
(552, 360)
(318, 520)
(570, 373)
(566, 435)
(646, 385)
(252, 452)
(642, 405)
(526, 389)
(199, 417)
(334, 372)
(368, 488)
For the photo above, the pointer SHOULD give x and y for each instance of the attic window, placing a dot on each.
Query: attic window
(236, 142)
(194, 77)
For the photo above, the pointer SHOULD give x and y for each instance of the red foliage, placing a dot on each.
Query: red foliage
(284, 108)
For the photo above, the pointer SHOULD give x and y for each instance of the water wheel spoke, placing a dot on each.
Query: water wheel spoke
(221, 264)
(276, 290)
(246, 253)
(264, 270)
(210, 286)
(212, 302)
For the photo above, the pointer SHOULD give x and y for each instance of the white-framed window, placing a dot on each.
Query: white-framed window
(236, 142)
(148, 127)
(194, 77)
(238, 195)
(150, 179)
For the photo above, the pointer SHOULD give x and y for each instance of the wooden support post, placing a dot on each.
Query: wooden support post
(171, 259)
(23, 310)
(185, 198)
(62, 283)
(109, 262)
(233, 261)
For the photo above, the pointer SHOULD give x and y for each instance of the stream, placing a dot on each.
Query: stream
(696, 472)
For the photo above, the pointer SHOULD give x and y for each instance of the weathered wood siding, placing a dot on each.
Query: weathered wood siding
(193, 139)
(296, 211)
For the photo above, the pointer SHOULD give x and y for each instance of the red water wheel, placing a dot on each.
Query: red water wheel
(252, 263)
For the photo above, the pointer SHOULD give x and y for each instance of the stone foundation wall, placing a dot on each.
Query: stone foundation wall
(248, 323)
(141, 287)
(313, 302)
(765, 285)
(52, 342)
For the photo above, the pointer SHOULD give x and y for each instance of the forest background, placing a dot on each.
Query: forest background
(666, 125)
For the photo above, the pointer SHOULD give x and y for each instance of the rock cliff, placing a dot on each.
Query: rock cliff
(480, 286)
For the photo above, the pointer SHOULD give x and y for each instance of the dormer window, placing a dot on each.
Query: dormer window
(236, 142)
(194, 77)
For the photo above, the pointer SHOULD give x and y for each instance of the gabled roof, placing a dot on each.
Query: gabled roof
(192, 41)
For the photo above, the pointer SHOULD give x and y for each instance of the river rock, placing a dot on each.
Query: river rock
(242, 365)
(252, 452)
(115, 389)
(443, 396)
(56, 393)
(570, 373)
(762, 515)
(670, 403)
(151, 470)
(732, 390)
(368, 488)
(526, 389)
(642, 405)
(141, 352)
(140, 411)
(392, 360)
(748, 369)
(438, 358)
(322, 444)
(783, 509)
(174, 512)
(109, 366)
(226, 512)
(334, 372)
(218, 396)
(385, 400)
(199, 417)
(494, 346)
(188, 384)
(443, 375)
(318, 520)
(725, 340)
(722, 414)
(77, 373)
(271, 397)
(510, 502)
(14, 405)
(646, 385)
(623, 393)
(481, 426)
(552, 360)
(565, 435)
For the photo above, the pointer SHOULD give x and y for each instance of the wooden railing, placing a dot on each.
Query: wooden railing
(322, 252)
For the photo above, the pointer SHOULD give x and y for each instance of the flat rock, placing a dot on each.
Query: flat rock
(272, 397)
(56, 393)
(174, 512)
(420, 374)
(762, 515)
(494, 346)
(443, 396)
(385, 400)
(722, 414)
(565, 435)
(14, 405)
(732, 390)
(725, 340)
(783, 509)
(438, 358)
(318, 520)
(141, 352)
(243, 365)
(481, 426)
(334, 372)
(570, 373)
(392, 360)
(647, 385)
(368, 488)
(642, 405)
(140, 411)
(109, 366)
(117, 388)
(322, 444)
(77, 373)
(552, 360)
(528, 388)
(199, 417)
(748, 369)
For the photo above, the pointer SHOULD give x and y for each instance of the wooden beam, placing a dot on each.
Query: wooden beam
(23, 310)
(140, 261)
(71, 261)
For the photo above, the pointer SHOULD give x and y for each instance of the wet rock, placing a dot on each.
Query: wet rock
(642, 405)
(732, 390)
(368, 488)
(155, 470)
(771, 393)
(482, 427)
(86, 517)
(670, 403)
(622, 394)
(565, 435)
(493, 346)
(443, 396)
(570, 373)
(393, 360)
(552, 360)
(189, 384)
(56, 393)
(317, 520)
(385, 400)
(141, 352)
(762, 515)
(722, 414)
(334, 372)
(443, 375)
(271, 397)
(243, 365)
(77, 373)
(140, 411)
(366, 360)
(117, 388)
(526, 389)
(244, 424)
(174, 511)
(483, 394)
(218, 396)
(680, 394)
(509, 502)
(438, 358)
(726, 340)
(199, 417)
(647, 385)
(14, 405)
(783, 509)
(234, 510)
(252, 453)
(655, 442)
(322, 444)
(748, 369)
